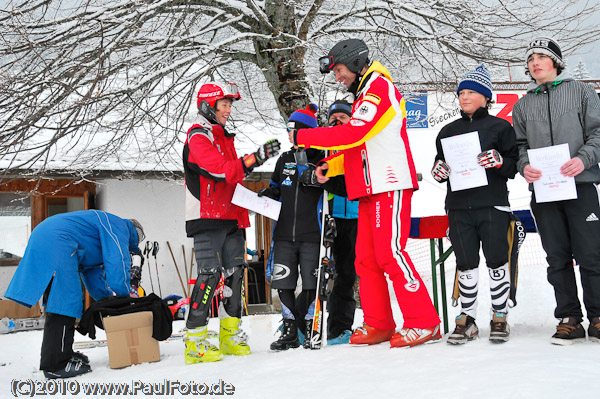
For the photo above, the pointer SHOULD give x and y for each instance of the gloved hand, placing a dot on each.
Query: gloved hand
(309, 178)
(268, 150)
(135, 273)
(490, 159)
(271, 192)
(440, 171)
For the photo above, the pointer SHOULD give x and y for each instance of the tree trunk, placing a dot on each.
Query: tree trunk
(281, 60)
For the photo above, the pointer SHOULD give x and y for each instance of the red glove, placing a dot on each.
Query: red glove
(440, 171)
(490, 159)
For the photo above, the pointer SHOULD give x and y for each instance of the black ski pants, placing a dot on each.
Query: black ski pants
(470, 228)
(57, 343)
(341, 304)
(571, 230)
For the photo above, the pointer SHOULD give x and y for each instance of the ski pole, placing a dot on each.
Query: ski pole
(190, 274)
(154, 252)
(177, 268)
(147, 251)
(187, 277)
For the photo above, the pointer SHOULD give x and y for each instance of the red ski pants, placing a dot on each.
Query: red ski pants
(383, 229)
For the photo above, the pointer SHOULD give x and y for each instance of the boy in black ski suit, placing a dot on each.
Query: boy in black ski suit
(480, 215)
(297, 234)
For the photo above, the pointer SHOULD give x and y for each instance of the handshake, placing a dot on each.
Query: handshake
(487, 159)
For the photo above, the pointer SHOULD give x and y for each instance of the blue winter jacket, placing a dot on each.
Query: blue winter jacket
(344, 208)
(93, 245)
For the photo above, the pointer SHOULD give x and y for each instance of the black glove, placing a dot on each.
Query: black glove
(268, 150)
(271, 192)
(309, 177)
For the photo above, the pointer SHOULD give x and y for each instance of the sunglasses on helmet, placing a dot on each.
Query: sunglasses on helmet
(325, 64)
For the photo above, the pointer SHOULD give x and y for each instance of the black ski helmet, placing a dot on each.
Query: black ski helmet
(353, 53)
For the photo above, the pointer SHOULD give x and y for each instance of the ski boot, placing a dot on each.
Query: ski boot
(81, 357)
(499, 328)
(367, 335)
(343, 338)
(409, 337)
(73, 368)
(288, 338)
(198, 349)
(232, 340)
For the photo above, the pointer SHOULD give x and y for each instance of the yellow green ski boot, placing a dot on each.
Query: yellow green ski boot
(198, 349)
(232, 339)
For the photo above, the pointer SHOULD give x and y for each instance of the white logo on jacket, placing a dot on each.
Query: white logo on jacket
(366, 111)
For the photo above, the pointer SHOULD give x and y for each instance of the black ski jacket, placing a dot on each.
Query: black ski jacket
(300, 204)
(494, 133)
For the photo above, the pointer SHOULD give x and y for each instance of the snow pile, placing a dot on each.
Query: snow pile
(527, 366)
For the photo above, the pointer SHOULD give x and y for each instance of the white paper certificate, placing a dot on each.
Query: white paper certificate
(250, 200)
(552, 186)
(461, 153)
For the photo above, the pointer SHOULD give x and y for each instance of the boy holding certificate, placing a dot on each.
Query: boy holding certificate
(559, 110)
(478, 213)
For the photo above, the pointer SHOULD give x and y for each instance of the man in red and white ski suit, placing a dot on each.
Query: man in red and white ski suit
(379, 171)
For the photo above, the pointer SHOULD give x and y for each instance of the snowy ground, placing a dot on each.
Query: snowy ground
(527, 366)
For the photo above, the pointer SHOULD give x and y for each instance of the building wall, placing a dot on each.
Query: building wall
(159, 206)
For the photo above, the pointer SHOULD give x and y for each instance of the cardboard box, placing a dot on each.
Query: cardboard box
(129, 339)
(13, 310)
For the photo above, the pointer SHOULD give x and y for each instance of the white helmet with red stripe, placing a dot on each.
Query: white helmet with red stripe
(211, 92)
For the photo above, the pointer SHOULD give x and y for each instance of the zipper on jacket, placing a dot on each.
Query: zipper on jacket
(365, 168)
(208, 190)
(582, 126)
(295, 206)
(550, 117)
(346, 208)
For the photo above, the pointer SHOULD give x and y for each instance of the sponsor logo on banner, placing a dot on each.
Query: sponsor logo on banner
(416, 110)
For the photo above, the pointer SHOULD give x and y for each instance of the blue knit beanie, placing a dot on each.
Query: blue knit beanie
(478, 80)
(305, 118)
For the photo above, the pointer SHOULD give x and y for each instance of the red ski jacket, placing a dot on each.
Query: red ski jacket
(212, 171)
(375, 156)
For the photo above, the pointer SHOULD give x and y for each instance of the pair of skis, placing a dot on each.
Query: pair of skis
(8, 325)
(99, 343)
(325, 275)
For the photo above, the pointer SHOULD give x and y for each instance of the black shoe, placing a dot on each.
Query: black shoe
(569, 331)
(289, 337)
(72, 369)
(594, 329)
(81, 357)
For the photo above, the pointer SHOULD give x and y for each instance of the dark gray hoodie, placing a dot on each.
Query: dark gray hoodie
(558, 112)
